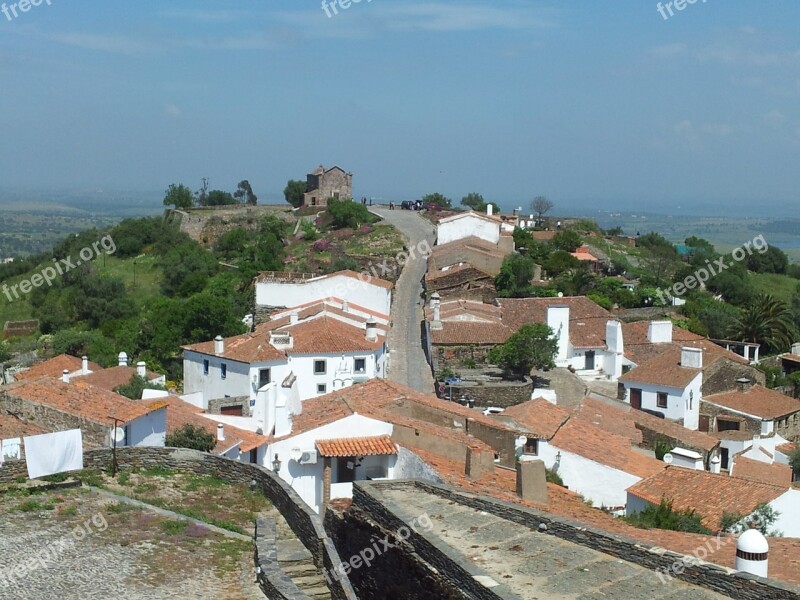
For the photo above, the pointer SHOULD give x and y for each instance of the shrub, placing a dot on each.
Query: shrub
(664, 516)
(322, 246)
(192, 437)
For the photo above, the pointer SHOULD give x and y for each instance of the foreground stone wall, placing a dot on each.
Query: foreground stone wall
(503, 394)
(275, 584)
(303, 521)
(366, 496)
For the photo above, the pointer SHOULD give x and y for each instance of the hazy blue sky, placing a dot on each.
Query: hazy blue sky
(600, 103)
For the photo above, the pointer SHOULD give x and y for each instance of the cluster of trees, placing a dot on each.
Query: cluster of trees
(534, 346)
(181, 197)
(475, 201)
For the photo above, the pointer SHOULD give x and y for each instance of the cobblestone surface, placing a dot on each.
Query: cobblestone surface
(132, 557)
(407, 363)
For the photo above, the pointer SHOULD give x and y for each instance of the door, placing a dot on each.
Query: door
(724, 458)
(636, 398)
(345, 469)
(705, 423)
(590, 360)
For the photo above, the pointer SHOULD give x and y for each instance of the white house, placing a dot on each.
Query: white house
(324, 347)
(285, 290)
(466, 224)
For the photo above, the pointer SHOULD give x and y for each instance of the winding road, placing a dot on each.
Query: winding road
(407, 363)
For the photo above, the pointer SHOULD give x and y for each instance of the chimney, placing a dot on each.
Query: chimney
(716, 464)
(220, 432)
(84, 365)
(660, 332)
(345, 306)
(692, 358)
(743, 384)
(752, 553)
(294, 318)
(122, 359)
(141, 369)
(65, 376)
(372, 331)
(558, 321)
(436, 307)
(756, 443)
(489, 210)
(531, 480)
(219, 345)
(614, 337)
(796, 348)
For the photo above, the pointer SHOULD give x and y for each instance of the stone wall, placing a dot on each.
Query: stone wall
(275, 584)
(501, 440)
(20, 328)
(303, 521)
(453, 357)
(366, 497)
(505, 394)
(722, 375)
(215, 406)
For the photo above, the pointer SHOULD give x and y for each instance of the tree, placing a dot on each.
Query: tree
(192, 437)
(560, 261)
(514, 279)
(575, 282)
(178, 196)
(244, 193)
(532, 347)
(438, 199)
(541, 205)
(474, 201)
(134, 388)
(765, 321)
(567, 240)
(761, 519)
(218, 198)
(202, 193)
(346, 213)
(294, 192)
(664, 516)
(772, 260)
(5, 351)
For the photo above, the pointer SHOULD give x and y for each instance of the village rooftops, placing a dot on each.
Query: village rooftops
(470, 213)
(639, 348)
(113, 377)
(539, 415)
(55, 367)
(774, 473)
(709, 494)
(287, 277)
(757, 401)
(80, 399)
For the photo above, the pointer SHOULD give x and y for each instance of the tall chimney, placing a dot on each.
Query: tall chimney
(141, 369)
(692, 358)
(65, 376)
(796, 348)
(752, 553)
(716, 464)
(122, 359)
(294, 318)
(436, 303)
(84, 365)
(531, 480)
(744, 384)
(220, 432)
(219, 345)
(659, 332)
(489, 209)
(372, 331)
(345, 306)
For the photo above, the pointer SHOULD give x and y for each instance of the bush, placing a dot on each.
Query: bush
(322, 246)
(192, 437)
(346, 213)
(664, 516)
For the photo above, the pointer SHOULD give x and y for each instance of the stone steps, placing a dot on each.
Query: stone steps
(296, 561)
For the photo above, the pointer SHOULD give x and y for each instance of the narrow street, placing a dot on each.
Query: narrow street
(407, 362)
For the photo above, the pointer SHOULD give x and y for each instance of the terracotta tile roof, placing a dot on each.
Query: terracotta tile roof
(328, 335)
(709, 494)
(775, 473)
(247, 348)
(180, 413)
(80, 399)
(458, 333)
(638, 348)
(364, 446)
(664, 369)
(584, 255)
(791, 357)
(54, 367)
(588, 441)
(758, 401)
(610, 418)
(539, 415)
(476, 274)
(786, 448)
(472, 213)
(12, 427)
(468, 310)
(333, 305)
(113, 377)
(472, 242)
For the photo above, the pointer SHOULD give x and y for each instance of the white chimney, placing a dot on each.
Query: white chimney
(65, 376)
(122, 359)
(756, 443)
(220, 432)
(436, 307)
(796, 348)
(84, 365)
(372, 331)
(489, 209)
(219, 345)
(692, 358)
(294, 318)
(752, 553)
(345, 306)
(614, 337)
(716, 464)
(660, 332)
(141, 369)
(558, 321)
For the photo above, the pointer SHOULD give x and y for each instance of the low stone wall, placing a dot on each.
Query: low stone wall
(275, 584)
(20, 328)
(215, 406)
(503, 394)
(303, 521)
(453, 357)
(724, 581)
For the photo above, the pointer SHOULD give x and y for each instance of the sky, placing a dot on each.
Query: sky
(595, 104)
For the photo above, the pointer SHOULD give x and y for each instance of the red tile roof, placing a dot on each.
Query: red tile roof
(80, 399)
(12, 427)
(588, 441)
(786, 448)
(709, 494)
(758, 401)
(55, 367)
(638, 347)
(364, 446)
(113, 377)
(774, 473)
(539, 416)
(610, 418)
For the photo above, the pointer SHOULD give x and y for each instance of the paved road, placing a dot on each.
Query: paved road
(407, 362)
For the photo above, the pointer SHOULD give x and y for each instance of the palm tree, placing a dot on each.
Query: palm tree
(764, 321)
(576, 282)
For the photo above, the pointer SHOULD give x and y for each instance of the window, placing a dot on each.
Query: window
(531, 446)
(205, 366)
(263, 377)
(320, 367)
(223, 370)
(321, 388)
(361, 365)
(661, 400)
(727, 424)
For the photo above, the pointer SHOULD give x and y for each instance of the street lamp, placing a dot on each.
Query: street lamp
(276, 464)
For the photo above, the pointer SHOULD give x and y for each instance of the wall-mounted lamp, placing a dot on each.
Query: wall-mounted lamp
(276, 464)
(558, 456)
